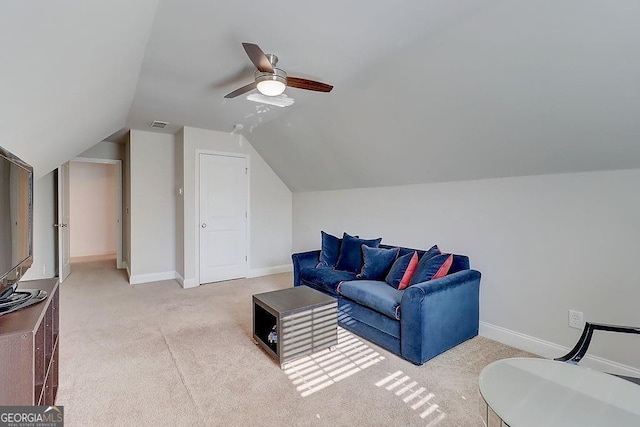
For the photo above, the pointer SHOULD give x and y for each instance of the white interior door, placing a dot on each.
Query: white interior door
(64, 252)
(223, 217)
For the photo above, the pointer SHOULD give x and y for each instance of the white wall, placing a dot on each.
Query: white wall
(92, 197)
(544, 245)
(152, 207)
(44, 246)
(270, 206)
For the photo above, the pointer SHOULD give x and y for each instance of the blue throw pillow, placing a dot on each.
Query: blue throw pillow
(401, 267)
(432, 268)
(433, 251)
(350, 258)
(330, 250)
(376, 262)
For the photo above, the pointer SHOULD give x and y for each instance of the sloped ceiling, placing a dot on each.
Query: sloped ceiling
(68, 72)
(425, 91)
(522, 88)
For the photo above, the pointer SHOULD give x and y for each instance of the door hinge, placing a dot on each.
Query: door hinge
(245, 214)
(246, 171)
(246, 258)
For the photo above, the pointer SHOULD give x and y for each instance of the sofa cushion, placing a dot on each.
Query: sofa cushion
(432, 268)
(376, 262)
(325, 278)
(350, 258)
(374, 294)
(401, 270)
(329, 250)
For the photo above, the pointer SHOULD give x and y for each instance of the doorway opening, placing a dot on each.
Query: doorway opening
(93, 228)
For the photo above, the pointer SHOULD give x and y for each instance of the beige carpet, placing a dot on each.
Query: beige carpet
(157, 354)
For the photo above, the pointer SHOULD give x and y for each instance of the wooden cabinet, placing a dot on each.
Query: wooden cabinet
(29, 350)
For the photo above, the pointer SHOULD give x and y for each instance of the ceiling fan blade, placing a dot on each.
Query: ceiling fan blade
(308, 84)
(240, 91)
(258, 57)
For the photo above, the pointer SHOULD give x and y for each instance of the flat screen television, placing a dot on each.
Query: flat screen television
(16, 221)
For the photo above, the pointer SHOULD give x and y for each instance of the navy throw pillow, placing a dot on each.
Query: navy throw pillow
(401, 267)
(330, 250)
(433, 251)
(432, 268)
(376, 262)
(350, 258)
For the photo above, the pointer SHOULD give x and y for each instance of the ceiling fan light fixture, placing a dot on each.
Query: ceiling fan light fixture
(271, 84)
(271, 87)
(271, 81)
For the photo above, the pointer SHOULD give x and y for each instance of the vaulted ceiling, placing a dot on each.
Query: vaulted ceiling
(425, 90)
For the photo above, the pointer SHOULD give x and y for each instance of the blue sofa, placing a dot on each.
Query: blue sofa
(417, 323)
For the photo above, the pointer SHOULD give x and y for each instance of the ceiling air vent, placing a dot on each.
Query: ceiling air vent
(158, 124)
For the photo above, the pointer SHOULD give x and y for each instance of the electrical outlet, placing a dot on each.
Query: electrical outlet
(576, 319)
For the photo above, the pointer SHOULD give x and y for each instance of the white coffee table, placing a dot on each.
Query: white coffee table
(526, 392)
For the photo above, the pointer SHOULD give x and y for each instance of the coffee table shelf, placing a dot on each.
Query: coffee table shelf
(294, 322)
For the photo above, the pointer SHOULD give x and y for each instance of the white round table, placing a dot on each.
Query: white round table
(526, 392)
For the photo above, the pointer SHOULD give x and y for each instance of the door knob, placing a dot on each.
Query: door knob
(204, 225)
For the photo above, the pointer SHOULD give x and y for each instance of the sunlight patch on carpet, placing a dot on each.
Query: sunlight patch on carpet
(315, 372)
(417, 398)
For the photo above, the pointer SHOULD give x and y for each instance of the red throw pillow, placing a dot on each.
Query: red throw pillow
(406, 277)
(444, 269)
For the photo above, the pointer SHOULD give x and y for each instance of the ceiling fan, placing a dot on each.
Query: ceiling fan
(272, 81)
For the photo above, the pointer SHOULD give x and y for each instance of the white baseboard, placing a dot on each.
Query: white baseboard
(192, 282)
(186, 283)
(93, 257)
(153, 277)
(551, 350)
(257, 272)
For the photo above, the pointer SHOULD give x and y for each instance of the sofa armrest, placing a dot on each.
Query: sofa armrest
(439, 314)
(303, 260)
